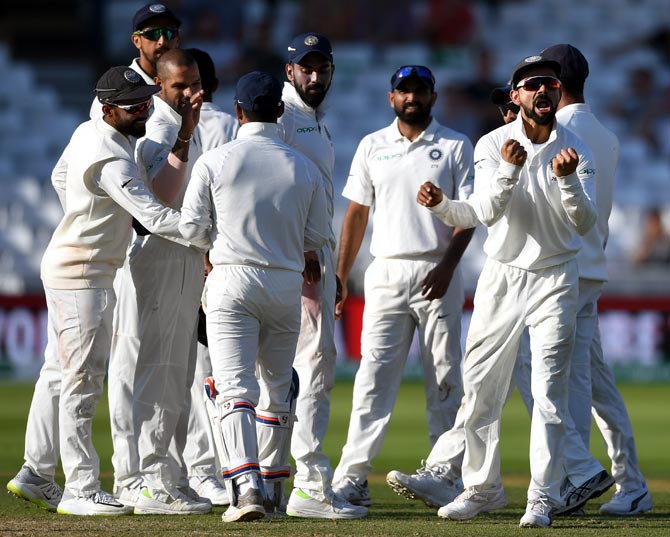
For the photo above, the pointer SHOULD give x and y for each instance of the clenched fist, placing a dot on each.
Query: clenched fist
(429, 195)
(513, 152)
(565, 162)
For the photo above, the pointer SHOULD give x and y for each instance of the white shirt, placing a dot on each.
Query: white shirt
(154, 147)
(101, 187)
(534, 218)
(215, 127)
(302, 127)
(387, 171)
(605, 148)
(256, 201)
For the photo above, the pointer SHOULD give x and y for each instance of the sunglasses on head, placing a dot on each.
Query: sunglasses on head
(154, 34)
(408, 70)
(134, 109)
(533, 83)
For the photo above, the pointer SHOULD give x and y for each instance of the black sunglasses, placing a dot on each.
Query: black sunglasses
(154, 34)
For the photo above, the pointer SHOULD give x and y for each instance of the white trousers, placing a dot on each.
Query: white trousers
(121, 374)
(42, 448)
(314, 362)
(168, 282)
(592, 389)
(506, 300)
(394, 309)
(253, 321)
(71, 378)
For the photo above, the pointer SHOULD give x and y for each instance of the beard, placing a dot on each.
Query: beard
(134, 127)
(315, 97)
(418, 116)
(540, 119)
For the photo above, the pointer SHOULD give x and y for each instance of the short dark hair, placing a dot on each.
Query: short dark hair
(573, 86)
(262, 116)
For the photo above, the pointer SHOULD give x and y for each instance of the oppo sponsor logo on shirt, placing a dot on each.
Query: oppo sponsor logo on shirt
(306, 130)
(391, 156)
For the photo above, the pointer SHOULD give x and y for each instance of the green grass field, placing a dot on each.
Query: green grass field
(390, 515)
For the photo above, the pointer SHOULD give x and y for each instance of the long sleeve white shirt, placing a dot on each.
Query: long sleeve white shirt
(303, 128)
(387, 171)
(534, 218)
(101, 187)
(256, 201)
(604, 145)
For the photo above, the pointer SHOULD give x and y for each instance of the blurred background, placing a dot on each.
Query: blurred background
(52, 52)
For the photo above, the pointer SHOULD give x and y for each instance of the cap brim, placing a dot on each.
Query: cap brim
(139, 94)
(399, 81)
(296, 58)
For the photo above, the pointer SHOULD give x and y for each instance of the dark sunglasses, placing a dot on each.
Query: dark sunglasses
(134, 109)
(534, 83)
(154, 34)
(417, 70)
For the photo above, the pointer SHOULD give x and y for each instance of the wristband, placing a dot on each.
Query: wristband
(185, 141)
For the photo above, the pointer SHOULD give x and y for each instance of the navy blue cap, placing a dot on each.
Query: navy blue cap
(258, 91)
(149, 12)
(419, 71)
(303, 44)
(573, 63)
(533, 61)
(121, 83)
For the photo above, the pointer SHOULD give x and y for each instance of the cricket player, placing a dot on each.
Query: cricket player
(309, 71)
(414, 282)
(100, 187)
(534, 190)
(258, 205)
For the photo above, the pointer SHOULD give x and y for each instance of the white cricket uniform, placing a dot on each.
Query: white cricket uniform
(302, 127)
(591, 379)
(214, 129)
(100, 186)
(259, 204)
(529, 279)
(168, 280)
(407, 242)
(123, 356)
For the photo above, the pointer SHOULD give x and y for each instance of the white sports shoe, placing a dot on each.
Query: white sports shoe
(210, 488)
(354, 493)
(429, 484)
(473, 501)
(538, 514)
(29, 486)
(97, 504)
(128, 494)
(628, 503)
(174, 503)
(248, 507)
(302, 504)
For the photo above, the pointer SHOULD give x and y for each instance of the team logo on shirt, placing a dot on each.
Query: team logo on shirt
(435, 155)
